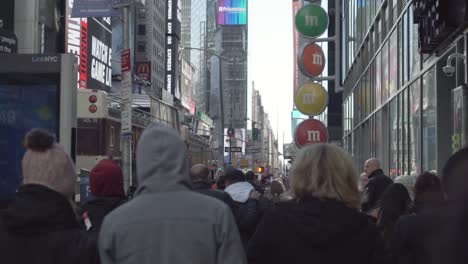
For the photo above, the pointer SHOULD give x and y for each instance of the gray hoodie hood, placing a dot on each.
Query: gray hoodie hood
(162, 161)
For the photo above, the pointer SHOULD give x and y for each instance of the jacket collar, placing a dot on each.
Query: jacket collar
(38, 209)
(376, 172)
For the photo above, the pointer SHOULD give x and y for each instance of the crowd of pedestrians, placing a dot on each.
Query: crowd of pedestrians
(327, 214)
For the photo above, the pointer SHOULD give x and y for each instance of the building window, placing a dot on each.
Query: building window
(142, 30)
(141, 13)
(141, 46)
(429, 125)
(414, 122)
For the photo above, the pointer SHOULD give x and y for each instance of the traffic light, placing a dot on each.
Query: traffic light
(261, 169)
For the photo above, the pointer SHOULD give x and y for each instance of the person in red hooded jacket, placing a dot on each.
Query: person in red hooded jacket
(106, 183)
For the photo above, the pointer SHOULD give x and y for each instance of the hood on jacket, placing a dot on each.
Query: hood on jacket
(322, 222)
(106, 179)
(162, 161)
(240, 191)
(38, 209)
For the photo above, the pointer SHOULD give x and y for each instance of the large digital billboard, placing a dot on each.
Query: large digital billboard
(232, 12)
(23, 106)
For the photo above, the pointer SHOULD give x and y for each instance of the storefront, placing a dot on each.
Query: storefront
(403, 107)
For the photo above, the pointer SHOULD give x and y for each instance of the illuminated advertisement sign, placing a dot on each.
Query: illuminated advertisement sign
(232, 12)
(23, 105)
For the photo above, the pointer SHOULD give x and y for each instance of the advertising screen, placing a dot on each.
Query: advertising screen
(232, 12)
(23, 106)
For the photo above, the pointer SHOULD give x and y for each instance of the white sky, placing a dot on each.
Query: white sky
(271, 61)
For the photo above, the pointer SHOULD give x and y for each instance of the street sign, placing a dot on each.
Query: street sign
(125, 62)
(93, 8)
(311, 60)
(312, 21)
(311, 99)
(311, 131)
(233, 149)
(252, 150)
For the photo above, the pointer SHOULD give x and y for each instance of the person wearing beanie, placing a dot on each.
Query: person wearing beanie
(40, 225)
(106, 183)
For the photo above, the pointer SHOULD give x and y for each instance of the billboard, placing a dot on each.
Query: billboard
(143, 70)
(96, 54)
(232, 12)
(173, 32)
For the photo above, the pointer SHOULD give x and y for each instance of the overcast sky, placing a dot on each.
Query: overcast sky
(271, 61)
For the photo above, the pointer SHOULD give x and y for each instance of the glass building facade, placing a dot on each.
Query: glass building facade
(398, 105)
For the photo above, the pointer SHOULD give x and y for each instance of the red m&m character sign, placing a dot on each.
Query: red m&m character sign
(311, 132)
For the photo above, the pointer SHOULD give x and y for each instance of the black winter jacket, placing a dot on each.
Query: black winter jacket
(377, 184)
(248, 216)
(205, 188)
(315, 231)
(40, 227)
(435, 235)
(97, 208)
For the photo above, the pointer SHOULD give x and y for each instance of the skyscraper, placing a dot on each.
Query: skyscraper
(150, 42)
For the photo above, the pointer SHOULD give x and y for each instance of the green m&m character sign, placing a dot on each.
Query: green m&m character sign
(312, 21)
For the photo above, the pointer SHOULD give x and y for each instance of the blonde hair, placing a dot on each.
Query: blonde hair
(325, 171)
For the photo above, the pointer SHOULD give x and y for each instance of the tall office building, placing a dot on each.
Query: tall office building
(234, 75)
(186, 28)
(150, 42)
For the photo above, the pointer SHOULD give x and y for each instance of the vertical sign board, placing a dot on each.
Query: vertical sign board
(99, 54)
(126, 92)
(172, 48)
(73, 34)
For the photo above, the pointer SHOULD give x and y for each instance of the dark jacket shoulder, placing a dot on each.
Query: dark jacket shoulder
(40, 226)
(97, 208)
(319, 231)
(377, 184)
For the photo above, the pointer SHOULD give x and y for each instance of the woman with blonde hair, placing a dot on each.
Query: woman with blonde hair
(322, 223)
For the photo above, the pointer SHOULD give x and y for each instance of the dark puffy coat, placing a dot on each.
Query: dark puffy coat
(97, 208)
(315, 231)
(377, 184)
(40, 226)
(204, 188)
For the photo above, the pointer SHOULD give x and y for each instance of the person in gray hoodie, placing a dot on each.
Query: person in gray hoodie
(166, 222)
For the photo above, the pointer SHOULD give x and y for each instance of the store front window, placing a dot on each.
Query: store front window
(414, 122)
(429, 125)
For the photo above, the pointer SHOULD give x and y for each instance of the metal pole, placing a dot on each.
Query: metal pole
(127, 139)
(338, 87)
(221, 111)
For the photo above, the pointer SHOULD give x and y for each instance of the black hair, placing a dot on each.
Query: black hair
(427, 188)
(395, 202)
(250, 176)
(234, 175)
(39, 140)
